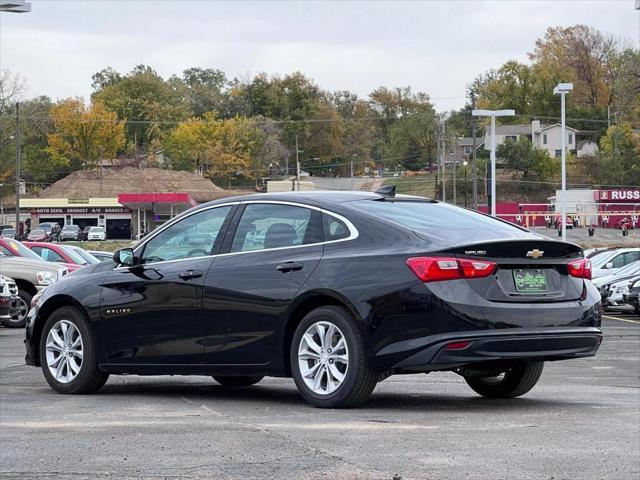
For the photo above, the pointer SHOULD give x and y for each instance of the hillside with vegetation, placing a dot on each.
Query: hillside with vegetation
(236, 130)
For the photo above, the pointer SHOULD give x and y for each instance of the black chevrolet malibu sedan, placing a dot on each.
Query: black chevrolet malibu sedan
(338, 290)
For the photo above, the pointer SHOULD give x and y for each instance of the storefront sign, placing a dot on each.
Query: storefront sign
(79, 210)
(620, 195)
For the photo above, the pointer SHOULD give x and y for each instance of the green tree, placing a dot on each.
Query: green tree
(523, 156)
(83, 134)
(150, 105)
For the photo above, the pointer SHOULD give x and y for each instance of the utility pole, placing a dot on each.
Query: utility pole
(297, 164)
(444, 165)
(101, 162)
(455, 181)
(352, 157)
(18, 167)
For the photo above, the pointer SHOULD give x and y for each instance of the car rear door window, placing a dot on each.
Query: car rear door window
(268, 226)
(193, 236)
(334, 228)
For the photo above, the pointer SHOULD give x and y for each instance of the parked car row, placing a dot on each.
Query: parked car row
(28, 267)
(51, 232)
(616, 272)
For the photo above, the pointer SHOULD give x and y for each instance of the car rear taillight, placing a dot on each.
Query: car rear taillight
(436, 269)
(580, 268)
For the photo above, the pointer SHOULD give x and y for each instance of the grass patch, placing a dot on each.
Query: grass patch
(422, 185)
(107, 246)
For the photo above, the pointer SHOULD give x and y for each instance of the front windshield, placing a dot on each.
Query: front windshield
(603, 259)
(74, 256)
(37, 232)
(70, 227)
(97, 229)
(629, 269)
(23, 251)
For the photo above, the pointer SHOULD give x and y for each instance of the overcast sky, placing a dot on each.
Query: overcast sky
(434, 46)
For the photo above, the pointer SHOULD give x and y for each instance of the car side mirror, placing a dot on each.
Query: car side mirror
(124, 256)
(609, 265)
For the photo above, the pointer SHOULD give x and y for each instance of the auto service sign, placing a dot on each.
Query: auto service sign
(619, 195)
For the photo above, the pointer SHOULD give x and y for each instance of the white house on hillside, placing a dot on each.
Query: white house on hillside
(547, 137)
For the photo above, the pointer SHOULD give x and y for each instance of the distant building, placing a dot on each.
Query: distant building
(463, 150)
(126, 201)
(547, 137)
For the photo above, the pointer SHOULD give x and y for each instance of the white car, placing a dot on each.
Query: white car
(619, 274)
(610, 262)
(97, 233)
(618, 290)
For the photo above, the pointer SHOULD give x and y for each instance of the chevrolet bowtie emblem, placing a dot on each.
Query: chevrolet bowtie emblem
(535, 253)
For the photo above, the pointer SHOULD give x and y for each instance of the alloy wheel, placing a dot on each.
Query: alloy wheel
(23, 310)
(64, 351)
(323, 358)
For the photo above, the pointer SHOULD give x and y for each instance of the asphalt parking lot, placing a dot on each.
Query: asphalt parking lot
(581, 421)
(602, 236)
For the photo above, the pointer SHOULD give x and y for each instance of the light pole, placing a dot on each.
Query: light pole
(493, 114)
(465, 163)
(562, 89)
(16, 6)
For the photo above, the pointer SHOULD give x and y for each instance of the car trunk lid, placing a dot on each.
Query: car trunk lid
(526, 270)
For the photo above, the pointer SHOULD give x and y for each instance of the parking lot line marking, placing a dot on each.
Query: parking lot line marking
(621, 319)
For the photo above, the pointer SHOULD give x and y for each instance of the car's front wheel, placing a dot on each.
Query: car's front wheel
(329, 360)
(517, 380)
(68, 353)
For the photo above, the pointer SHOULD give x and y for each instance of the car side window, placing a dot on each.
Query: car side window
(52, 256)
(6, 251)
(632, 257)
(266, 226)
(193, 236)
(619, 261)
(334, 228)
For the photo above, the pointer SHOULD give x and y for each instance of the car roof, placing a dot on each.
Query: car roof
(316, 198)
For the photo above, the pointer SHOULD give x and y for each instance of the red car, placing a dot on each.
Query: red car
(624, 222)
(53, 252)
(559, 222)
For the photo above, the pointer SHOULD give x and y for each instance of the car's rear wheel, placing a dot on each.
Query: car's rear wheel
(68, 353)
(19, 320)
(230, 381)
(517, 380)
(329, 360)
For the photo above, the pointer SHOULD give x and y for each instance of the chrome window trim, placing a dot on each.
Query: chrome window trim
(353, 231)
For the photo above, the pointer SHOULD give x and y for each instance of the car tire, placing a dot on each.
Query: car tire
(518, 380)
(231, 381)
(87, 378)
(350, 384)
(24, 303)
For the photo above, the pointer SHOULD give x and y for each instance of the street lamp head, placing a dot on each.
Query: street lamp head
(563, 88)
(15, 6)
(493, 113)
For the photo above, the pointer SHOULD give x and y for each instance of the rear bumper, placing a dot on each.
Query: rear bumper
(430, 353)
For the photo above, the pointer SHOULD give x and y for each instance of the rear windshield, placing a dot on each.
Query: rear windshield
(441, 220)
